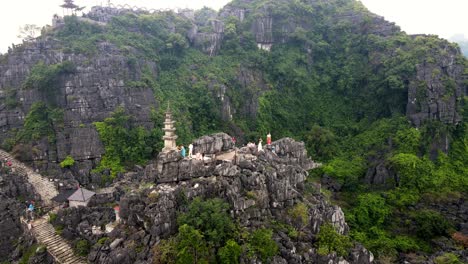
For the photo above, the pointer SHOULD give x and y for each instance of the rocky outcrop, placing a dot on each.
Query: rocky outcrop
(208, 42)
(257, 186)
(436, 91)
(85, 222)
(380, 175)
(213, 144)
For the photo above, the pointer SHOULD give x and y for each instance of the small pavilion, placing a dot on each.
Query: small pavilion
(80, 197)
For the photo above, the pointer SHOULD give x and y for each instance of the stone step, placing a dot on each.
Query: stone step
(56, 245)
(67, 257)
(61, 253)
(51, 241)
(44, 235)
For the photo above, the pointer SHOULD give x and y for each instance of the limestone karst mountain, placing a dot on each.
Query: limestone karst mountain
(385, 112)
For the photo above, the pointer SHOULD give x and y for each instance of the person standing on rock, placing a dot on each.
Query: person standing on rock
(260, 147)
(7, 166)
(190, 151)
(182, 151)
(269, 139)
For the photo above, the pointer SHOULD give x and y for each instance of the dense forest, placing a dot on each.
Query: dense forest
(329, 73)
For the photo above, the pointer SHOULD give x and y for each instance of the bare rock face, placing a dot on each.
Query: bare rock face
(212, 144)
(437, 89)
(10, 226)
(89, 94)
(86, 222)
(208, 42)
(381, 176)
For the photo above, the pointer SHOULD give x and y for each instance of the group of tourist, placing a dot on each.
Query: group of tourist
(199, 156)
(184, 154)
(259, 147)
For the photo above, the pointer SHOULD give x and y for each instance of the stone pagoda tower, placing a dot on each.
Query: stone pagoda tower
(169, 132)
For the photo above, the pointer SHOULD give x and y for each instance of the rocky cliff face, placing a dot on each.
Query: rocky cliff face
(90, 94)
(259, 187)
(439, 85)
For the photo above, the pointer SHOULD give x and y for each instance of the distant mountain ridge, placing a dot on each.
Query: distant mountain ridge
(462, 41)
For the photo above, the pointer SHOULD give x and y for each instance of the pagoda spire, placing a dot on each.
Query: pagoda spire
(169, 132)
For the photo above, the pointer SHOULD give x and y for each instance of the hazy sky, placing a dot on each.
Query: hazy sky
(442, 17)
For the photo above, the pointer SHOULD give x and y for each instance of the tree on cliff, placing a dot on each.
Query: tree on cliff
(28, 32)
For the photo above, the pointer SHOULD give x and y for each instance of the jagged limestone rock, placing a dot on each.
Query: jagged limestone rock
(90, 94)
(257, 186)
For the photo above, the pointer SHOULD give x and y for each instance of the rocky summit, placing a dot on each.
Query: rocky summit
(260, 188)
(286, 131)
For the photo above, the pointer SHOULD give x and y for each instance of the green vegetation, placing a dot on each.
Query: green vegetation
(52, 217)
(46, 78)
(10, 100)
(230, 253)
(125, 144)
(211, 218)
(191, 246)
(28, 253)
(67, 162)
(329, 240)
(430, 224)
(207, 234)
(82, 247)
(262, 244)
(299, 215)
(102, 241)
(41, 121)
(447, 258)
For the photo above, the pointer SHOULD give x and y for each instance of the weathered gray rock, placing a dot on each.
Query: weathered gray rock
(213, 144)
(79, 221)
(360, 254)
(90, 94)
(435, 91)
(258, 186)
(381, 176)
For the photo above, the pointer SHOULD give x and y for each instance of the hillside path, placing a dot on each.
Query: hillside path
(56, 245)
(42, 185)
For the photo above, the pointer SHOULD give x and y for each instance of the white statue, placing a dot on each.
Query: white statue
(260, 147)
(190, 151)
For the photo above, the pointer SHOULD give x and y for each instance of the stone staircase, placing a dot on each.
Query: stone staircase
(43, 186)
(44, 232)
(56, 245)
